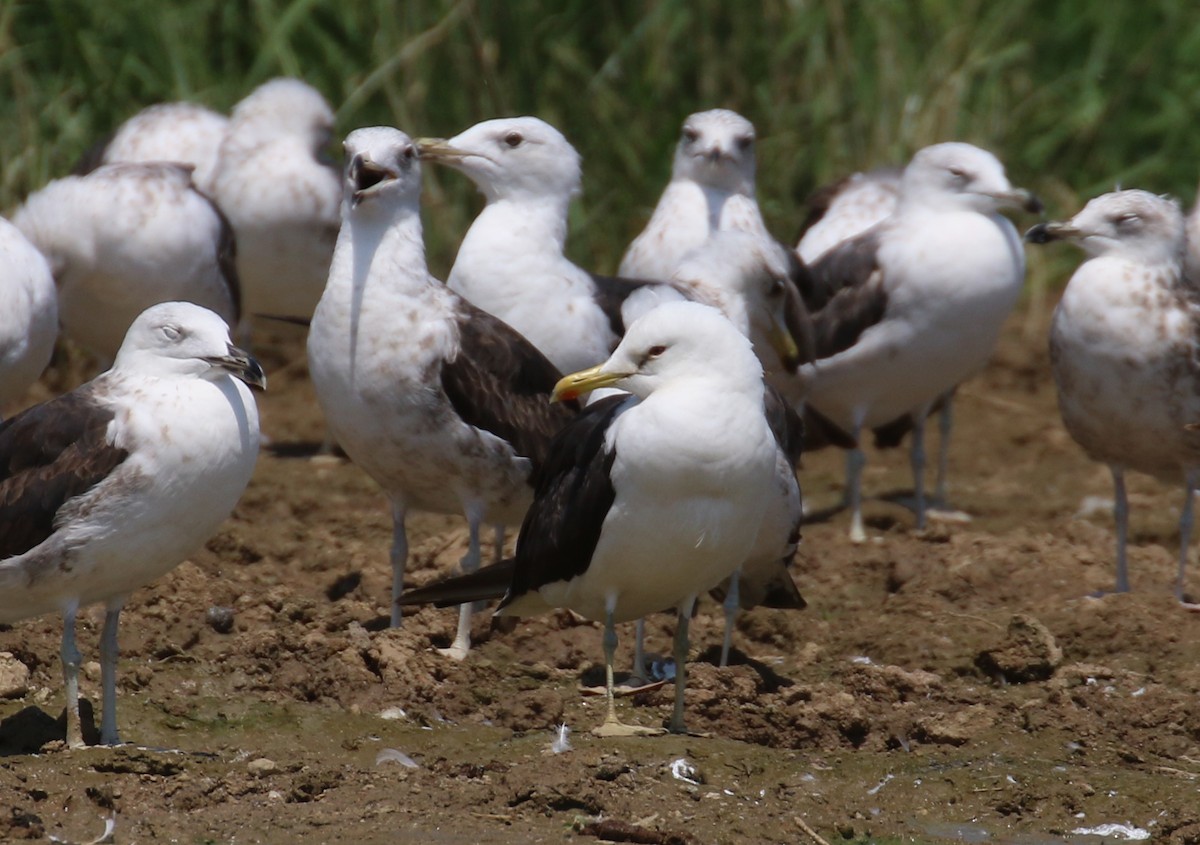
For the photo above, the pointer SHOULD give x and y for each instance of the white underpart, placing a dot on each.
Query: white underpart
(182, 132)
(282, 201)
(865, 199)
(123, 238)
(511, 264)
(28, 315)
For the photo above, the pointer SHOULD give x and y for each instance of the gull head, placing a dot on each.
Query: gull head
(382, 169)
(184, 339)
(284, 108)
(676, 343)
(750, 277)
(510, 158)
(1136, 225)
(958, 175)
(716, 149)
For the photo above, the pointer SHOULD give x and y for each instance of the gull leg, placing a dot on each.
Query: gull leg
(1185, 534)
(108, 673)
(681, 653)
(855, 461)
(945, 424)
(470, 563)
(612, 725)
(731, 608)
(399, 559)
(640, 675)
(918, 464)
(1121, 514)
(71, 659)
(498, 543)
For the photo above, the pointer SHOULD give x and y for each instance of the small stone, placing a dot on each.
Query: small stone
(261, 766)
(14, 676)
(91, 671)
(220, 619)
(1028, 653)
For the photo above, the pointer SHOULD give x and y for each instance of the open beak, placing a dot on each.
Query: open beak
(367, 176)
(1054, 230)
(439, 150)
(240, 364)
(576, 384)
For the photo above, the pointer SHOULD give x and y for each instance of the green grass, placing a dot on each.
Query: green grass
(1075, 96)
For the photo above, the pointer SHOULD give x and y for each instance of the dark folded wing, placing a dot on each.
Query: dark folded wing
(499, 382)
(611, 293)
(854, 298)
(573, 492)
(48, 455)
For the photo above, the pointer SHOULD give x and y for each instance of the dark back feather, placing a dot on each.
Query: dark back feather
(573, 492)
(227, 256)
(854, 298)
(501, 383)
(93, 156)
(50, 454)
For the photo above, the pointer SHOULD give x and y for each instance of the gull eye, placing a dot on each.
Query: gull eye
(958, 173)
(776, 289)
(513, 139)
(171, 333)
(410, 152)
(690, 135)
(1127, 219)
(655, 351)
(744, 141)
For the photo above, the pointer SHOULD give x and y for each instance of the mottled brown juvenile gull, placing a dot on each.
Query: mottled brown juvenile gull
(28, 315)
(282, 196)
(114, 484)
(445, 406)
(1124, 348)
(182, 132)
(644, 501)
(846, 209)
(914, 305)
(125, 237)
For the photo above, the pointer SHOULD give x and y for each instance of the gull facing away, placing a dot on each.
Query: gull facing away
(443, 405)
(644, 501)
(125, 237)
(511, 262)
(110, 486)
(28, 315)
(182, 132)
(281, 195)
(1123, 347)
(915, 304)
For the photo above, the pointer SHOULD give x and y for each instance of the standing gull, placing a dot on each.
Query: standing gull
(112, 485)
(442, 404)
(181, 132)
(916, 303)
(28, 315)
(282, 196)
(644, 501)
(125, 237)
(1123, 347)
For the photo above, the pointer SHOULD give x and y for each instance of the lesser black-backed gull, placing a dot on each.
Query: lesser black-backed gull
(125, 237)
(111, 485)
(644, 501)
(1123, 347)
(28, 314)
(511, 262)
(182, 132)
(915, 304)
(282, 196)
(445, 406)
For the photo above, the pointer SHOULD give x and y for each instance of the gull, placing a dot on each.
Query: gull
(443, 405)
(1123, 347)
(644, 501)
(846, 209)
(916, 303)
(110, 486)
(511, 261)
(282, 197)
(28, 314)
(182, 132)
(125, 237)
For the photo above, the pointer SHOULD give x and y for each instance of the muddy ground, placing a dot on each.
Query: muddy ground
(957, 684)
